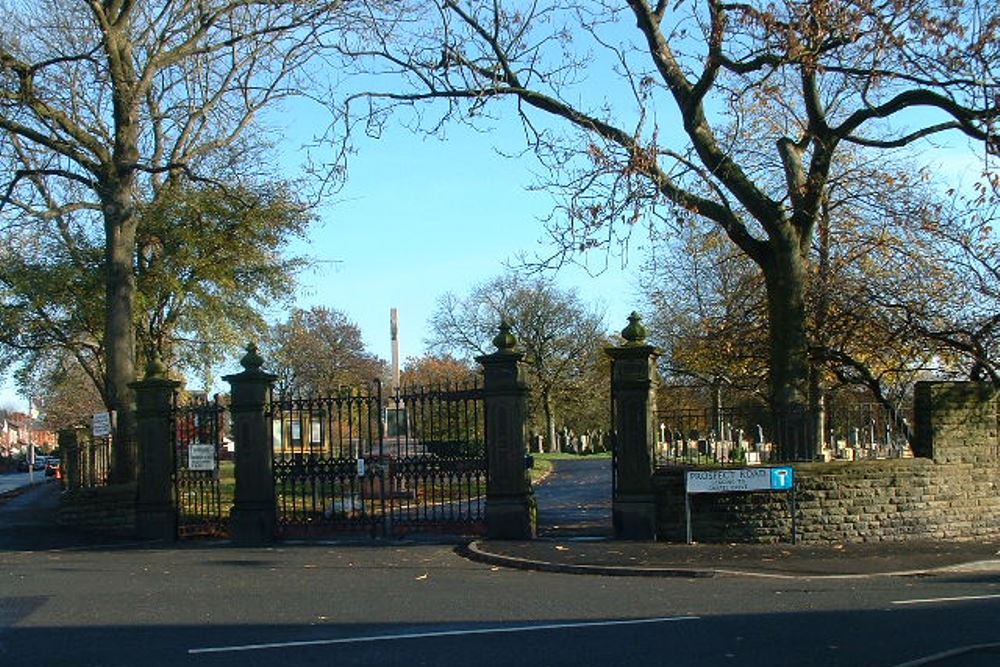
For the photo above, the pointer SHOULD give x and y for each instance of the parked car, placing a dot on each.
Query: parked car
(24, 466)
(52, 467)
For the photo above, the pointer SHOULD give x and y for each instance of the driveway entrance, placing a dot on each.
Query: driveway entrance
(575, 500)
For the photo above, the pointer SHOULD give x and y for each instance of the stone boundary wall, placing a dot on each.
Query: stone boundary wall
(109, 510)
(844, 502)
(950, 491)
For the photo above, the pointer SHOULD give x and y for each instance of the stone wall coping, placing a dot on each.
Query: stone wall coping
(812, 467)
(112, 491)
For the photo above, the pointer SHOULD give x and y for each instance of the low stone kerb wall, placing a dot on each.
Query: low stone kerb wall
(108, 510)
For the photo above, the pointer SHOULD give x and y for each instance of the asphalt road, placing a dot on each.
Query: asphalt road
(421, 604)
(424, 605)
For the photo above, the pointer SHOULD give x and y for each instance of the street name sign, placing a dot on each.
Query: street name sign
(735, 480)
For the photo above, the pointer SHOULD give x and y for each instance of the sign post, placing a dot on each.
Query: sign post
(739, 480)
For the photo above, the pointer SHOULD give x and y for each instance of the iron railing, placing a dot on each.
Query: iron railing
(88, 463)
(359, 460)
(730, 436)
(203, 482)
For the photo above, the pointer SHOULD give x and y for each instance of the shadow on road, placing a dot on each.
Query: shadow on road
(833, 639)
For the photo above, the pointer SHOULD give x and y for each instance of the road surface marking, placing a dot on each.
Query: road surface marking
(442, 633)
(944, 655)
(960, 598)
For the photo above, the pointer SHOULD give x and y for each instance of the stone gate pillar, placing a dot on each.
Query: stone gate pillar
(69, 452)
(155, 514)
(253, 517)
(510, 505)
(956, 422)
(634, 381)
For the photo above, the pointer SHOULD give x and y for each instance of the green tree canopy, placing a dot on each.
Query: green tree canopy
(208, 261)
(104, 105)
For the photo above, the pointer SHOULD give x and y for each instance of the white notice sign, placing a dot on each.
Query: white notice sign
(201, 457)
(101, 426)
(740, 479)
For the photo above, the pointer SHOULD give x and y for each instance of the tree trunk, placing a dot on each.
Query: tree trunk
(119, 336)
(550, 422)
(817, 390)
(785, 278)
(817, 411)
(120, 221)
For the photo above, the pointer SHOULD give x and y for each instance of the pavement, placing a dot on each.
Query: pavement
(11, 482)
(575, 499)
(574, 526)
(576, 555)
(29, 521)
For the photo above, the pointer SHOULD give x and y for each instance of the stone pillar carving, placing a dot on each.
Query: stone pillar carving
(155, 514)
(633, 389)
(510, 504)
(253, 517)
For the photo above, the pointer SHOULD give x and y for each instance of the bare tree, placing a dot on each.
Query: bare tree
(320, 350)
(903, 287)
(561, 337)
(104, 103)
(706, 300)
(638, 109)
(944, 289)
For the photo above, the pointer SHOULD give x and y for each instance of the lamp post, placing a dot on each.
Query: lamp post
(31, 447)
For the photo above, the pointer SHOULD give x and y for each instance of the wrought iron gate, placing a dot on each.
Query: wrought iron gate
(358, 461)
(199, 497)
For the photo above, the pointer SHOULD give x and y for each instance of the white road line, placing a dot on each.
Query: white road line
(960, 598)
(944, 655)
(443, 633)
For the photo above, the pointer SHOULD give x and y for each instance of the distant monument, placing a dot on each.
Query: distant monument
(394, 336)
(395, 411)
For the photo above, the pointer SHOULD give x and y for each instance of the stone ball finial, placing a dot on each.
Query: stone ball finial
(635, 333)
(505, 340)
(252, 361)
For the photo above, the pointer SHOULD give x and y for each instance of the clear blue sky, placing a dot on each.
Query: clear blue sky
(419, 217)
